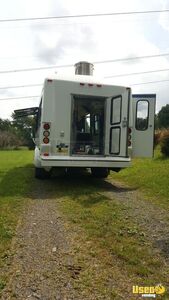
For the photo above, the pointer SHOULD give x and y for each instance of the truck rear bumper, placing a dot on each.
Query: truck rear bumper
(87, 162)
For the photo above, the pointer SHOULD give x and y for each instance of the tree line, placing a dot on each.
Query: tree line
(162, 118)
(17, 132)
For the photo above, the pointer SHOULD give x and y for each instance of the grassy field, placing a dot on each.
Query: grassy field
(15, 180)
(107, 248)
(109, 245)
(149, 176)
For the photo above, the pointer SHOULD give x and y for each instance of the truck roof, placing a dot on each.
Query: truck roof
(80, 78)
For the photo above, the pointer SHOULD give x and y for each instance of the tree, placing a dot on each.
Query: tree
(24, 127)
(8, 135)
(5, 125)
(163, 117)
(9, 140)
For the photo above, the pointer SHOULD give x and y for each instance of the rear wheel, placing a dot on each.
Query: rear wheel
(100, 172)
(41, 173)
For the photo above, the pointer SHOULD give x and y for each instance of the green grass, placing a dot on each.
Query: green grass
(107, 237)
(150, 176)
(15, 178)
(106, 244)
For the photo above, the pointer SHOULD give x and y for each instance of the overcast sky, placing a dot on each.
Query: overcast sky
(67, 41)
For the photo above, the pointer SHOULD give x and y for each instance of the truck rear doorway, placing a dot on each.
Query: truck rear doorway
(88, 125)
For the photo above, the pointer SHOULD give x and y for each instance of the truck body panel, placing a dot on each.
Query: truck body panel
(83, 122)
(88, 124)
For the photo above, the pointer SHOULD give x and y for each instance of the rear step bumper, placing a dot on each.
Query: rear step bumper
(88, 162)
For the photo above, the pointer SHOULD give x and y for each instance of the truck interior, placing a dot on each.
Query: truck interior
(88, 131)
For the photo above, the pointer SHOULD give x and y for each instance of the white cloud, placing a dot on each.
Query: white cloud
(164, 17)
(66, 41)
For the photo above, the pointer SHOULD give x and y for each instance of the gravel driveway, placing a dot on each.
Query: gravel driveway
(42, 256)
(43, 263)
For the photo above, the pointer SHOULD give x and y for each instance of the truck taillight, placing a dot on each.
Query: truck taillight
(46, 154)
(46, 133)
(129, 130)
(46, 140)
(129, 136)
(46, 126)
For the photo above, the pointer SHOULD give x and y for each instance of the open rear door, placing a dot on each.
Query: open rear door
(143, 125)
(117, 124)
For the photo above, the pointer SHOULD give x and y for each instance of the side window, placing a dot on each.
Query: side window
(142, 115)
(115, 115)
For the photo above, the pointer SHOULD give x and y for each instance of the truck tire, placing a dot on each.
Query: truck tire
(100, 172)
(41, 173)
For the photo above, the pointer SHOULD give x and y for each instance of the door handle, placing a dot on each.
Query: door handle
(124, 123)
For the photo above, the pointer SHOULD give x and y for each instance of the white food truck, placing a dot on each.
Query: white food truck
(83, 122)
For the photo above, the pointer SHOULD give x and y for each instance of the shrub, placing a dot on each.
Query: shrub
(9, 140)
(157, 137)
(164, 142)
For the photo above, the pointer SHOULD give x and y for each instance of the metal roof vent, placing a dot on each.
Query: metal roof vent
(84, 68)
